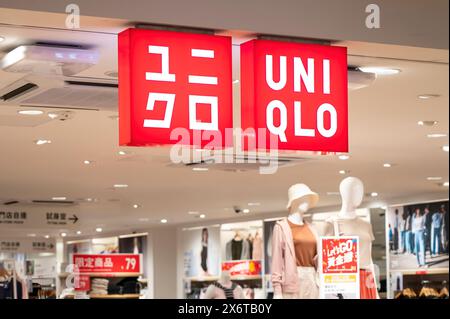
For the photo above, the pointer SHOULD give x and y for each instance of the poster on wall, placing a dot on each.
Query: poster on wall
(339, 267)
(418, 237)
(201, 247)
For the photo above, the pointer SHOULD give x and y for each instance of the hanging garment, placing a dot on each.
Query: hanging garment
(237, 250)
(305, 244)
(308, 284)
(257, 248)
(250, 248)
(286, 277)
(204, 257)
(367, 287)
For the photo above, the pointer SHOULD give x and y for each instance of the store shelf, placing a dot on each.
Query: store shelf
(424, 271)
(106, 275)
(246, 277)
(124, 296)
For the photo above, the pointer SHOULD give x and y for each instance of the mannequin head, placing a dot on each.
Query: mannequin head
(301, 198)
(299, 207)
(352, 192)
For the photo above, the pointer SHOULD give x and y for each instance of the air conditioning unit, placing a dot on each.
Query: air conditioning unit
(62, 93)
(49, 59)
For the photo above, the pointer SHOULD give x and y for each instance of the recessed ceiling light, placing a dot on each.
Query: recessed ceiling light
(387, 165)
(122, 153)
(427, 96)
(445, 184)
(343, 172)
(120, 185)
(99, 229)
(163, 221)
(434, 178)
(87, 162)
(344, 157)
(42, 142)
(31, 235)
(254, 204)
(63, 234)
(46, 236)
(246, 210)
(202, 216)
(445, 148)
(200, 169)
(59, 198)
(2, 39)
(88, 199)
(427, 123)
(52, 115)
(235, 81)
(374, 194)
(379, 70)
(30, 112)
(436, 135)
(135, 206)
(79, 232)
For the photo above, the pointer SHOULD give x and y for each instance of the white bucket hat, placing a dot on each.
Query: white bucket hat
(299, 193)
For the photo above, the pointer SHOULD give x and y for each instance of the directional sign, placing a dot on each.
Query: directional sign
(43, 217)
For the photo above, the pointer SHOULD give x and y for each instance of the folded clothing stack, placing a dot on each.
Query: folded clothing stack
(99, 286)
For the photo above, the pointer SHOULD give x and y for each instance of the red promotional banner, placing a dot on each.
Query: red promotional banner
(82, 283)
(174, 80)
(296, 92)
(242, 267)
(108, 263)
(339, 255)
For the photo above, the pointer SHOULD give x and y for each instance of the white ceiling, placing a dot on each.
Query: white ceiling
(383, 128)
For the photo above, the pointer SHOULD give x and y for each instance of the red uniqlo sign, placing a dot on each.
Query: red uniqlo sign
(108, 263)
(170, 80)
(339, 255)
(297, 92)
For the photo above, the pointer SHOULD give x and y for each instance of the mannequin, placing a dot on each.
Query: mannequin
(347, 223)
(294, 249)
(224, 288)
(352, 194)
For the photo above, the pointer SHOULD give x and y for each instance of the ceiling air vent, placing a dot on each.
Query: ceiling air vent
(53, 202)
(16, 92)
(92, 94)
(11, 202)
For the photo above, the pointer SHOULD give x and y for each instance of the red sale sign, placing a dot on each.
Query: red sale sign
(107, 263)
(339, 255)
(242, 267)
(82, 283)
(174, 80)
(296, 92)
